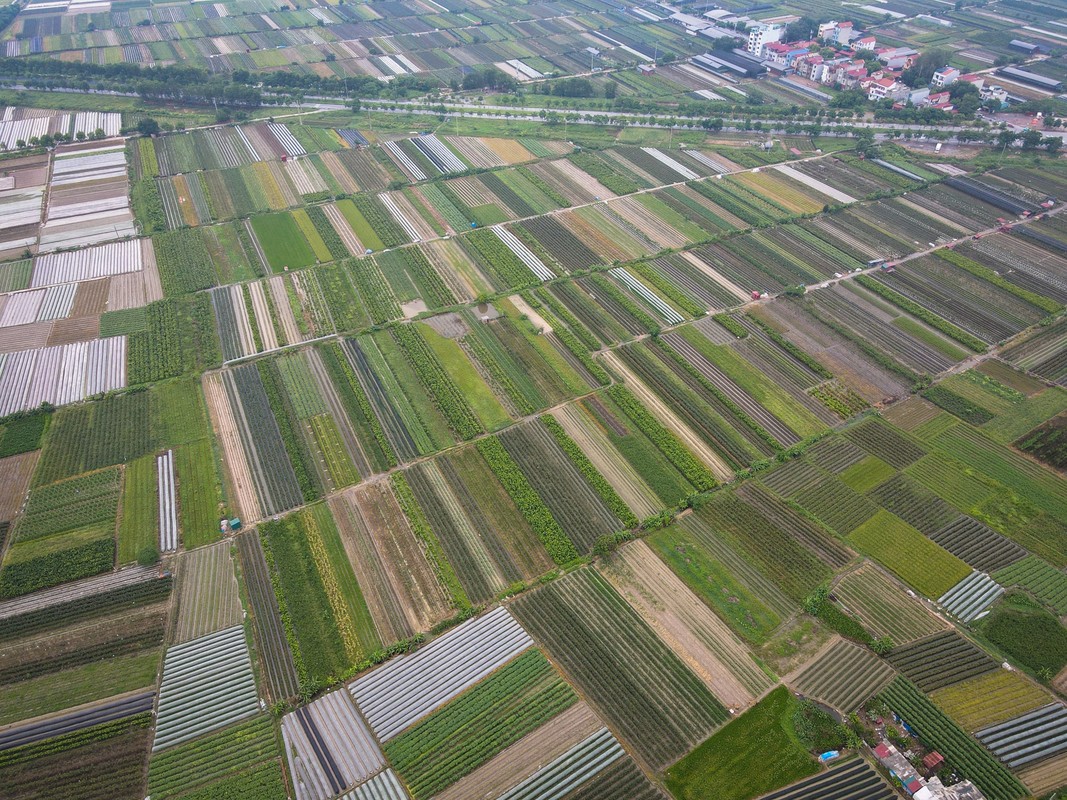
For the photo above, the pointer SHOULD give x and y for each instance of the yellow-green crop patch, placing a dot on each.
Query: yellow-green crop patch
(915, 559)
(866, 474)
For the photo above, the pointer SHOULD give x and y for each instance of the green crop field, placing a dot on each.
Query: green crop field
(989, 699)
(282, 242)
(729, 767)
(910, 555)
(456, 739)
(402, 351)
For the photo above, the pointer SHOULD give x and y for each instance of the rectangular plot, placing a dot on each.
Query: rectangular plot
(207, 593)
(207, 684)
(943, 659)
(526, 756)
(329, 747)
(837, 505)
(980, 546)
(1029, 737)
(880, 439)
(883, 607)
(844, 676)
(168, 508)
(903, 550)
(854, 779)
(687, 626)
(266, 619)
(405, 690)
(639, 686)
(990, 698)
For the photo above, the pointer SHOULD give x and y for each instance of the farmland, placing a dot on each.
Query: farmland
(937, 729)
(443, 379)
(642, 668)
(725, 767)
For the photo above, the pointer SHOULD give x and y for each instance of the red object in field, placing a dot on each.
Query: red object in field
(1005, 228)
(755, 295)
(284, 158)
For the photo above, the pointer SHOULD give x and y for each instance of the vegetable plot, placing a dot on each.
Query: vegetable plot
(207, 684)
(168, 507)
(329, 747)
(407, 689)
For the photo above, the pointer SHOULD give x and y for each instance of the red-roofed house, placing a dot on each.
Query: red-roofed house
(933, 760)
(946, 76)
(883, 88)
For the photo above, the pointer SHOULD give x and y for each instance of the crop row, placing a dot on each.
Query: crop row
(144, 591)
(844, 676)
(569, 251)
(295, 445)
(792, 567)
(378, 218)
(277, 487)
(571, 500)
(931, 319)
(327, 232)
(145, 631)
(266, 619)
(562, 313)
(434, 290)
(959, 406)
(590, 472)
(98, 764)
(963, 752)
(55, 567)
(943, 659)
(407, 689)
(358, 407)
(914, 503)
(457, 738)
(70, 504)
(613, 180)
(157, 352)
(373, 290)
(1045, 582)
(495, 258)
(446, 395)
(677, 453)
(204, 760)
(184, 263)
(529, 503)
(640, 686)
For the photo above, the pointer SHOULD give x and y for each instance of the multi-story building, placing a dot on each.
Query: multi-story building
(761, 35)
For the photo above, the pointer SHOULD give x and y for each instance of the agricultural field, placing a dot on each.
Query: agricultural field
(968, 756)
(190, 703)
(943, 659)
(440, 381)
(844, 676)
(727, 766)
(883, 606)
(989, 699)
(621, 666)
(688, 627)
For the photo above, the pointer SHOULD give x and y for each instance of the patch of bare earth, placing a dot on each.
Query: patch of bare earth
(686, 625)
(402, 592)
